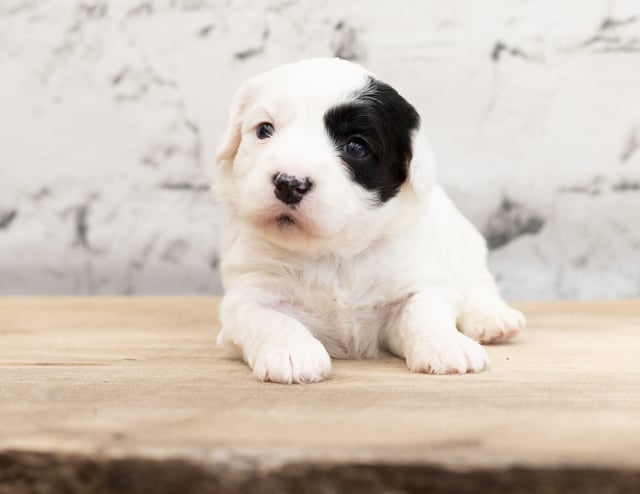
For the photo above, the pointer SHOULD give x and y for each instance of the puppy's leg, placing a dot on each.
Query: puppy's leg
(485, 316)
(277, 347)
(425, 334)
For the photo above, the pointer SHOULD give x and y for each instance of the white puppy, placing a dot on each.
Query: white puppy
(336, 241)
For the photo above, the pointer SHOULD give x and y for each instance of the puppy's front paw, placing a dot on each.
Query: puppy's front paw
(299, 359)
(446, 354)
(492, 322)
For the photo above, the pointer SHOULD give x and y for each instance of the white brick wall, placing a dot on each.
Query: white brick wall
(110, 110)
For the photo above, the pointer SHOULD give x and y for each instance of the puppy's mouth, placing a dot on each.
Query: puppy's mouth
(284, 221)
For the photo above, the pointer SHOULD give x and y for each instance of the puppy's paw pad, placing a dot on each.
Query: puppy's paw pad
(493, 323)
(297, 361)
(455, 354)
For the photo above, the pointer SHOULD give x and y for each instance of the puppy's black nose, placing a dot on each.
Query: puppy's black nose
(289, 189)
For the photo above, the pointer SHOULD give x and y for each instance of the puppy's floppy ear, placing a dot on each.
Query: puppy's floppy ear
(230, 140)
(422, 167)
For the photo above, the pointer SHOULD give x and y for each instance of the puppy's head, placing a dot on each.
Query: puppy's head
(320, 155)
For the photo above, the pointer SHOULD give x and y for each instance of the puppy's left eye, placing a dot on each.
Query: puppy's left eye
(264, 130)
(356, 148)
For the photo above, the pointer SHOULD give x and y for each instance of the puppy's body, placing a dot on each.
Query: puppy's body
(362, 252)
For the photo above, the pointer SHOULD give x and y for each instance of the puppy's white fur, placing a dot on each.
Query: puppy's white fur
(346, 277)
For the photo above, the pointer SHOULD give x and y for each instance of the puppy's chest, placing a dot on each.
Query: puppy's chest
(345, 307)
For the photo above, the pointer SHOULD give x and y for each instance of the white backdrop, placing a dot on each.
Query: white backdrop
(110, 110)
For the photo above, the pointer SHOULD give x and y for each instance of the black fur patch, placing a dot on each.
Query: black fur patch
(383, 119)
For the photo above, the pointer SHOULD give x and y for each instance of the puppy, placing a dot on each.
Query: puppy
(336, 240)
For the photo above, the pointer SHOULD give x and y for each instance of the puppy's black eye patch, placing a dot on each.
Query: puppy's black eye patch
(264, 130)
(372, 134)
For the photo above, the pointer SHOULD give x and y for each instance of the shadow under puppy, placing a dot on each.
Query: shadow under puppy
(336, 239)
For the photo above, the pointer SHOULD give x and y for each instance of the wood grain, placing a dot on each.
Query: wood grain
(110, 379)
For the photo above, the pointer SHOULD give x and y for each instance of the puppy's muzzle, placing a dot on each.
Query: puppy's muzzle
(290, 189)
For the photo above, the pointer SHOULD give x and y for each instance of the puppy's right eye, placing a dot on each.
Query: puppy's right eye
(356, 148)
(264, 130)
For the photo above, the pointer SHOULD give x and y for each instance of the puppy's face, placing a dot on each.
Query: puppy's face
(320, 155)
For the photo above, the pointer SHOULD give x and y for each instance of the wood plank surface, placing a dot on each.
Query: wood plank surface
(115, 381)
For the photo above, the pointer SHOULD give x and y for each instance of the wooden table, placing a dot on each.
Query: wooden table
(132, 395)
